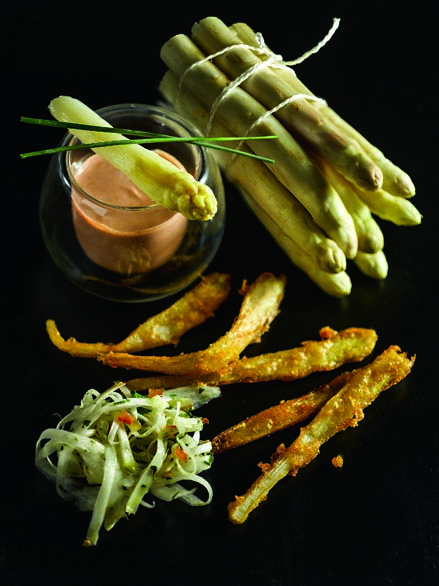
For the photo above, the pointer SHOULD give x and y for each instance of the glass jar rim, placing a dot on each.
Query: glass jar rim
(69, 139)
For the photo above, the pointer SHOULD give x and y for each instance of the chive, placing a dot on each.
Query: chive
(143, 138)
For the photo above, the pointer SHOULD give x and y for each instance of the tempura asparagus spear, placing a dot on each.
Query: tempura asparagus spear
(341, 411)
(278, 417)
(164, 328)
(259, 307)
(334, 349)
(154, 175)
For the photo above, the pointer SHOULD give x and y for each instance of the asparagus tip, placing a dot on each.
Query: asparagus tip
(405, 186)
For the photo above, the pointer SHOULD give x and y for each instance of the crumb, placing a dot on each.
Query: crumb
(337, 461)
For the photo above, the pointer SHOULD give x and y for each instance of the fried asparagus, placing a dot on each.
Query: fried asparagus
(164, 328)
(334, 349)
(343, 410)
(259, 307)
(278, 417)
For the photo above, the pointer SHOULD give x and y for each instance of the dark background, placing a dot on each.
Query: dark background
(373, 522)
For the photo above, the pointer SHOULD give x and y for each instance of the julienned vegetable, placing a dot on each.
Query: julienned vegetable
(117, 447)
(328, 182)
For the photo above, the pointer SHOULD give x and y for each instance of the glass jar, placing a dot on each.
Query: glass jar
(115, 248)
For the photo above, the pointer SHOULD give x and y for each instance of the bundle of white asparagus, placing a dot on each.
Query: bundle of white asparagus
(319, 198)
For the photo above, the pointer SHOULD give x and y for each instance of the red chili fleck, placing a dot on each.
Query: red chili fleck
(125, 417)
(180, 454)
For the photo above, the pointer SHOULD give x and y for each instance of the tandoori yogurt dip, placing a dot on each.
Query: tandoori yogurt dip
(117, 225)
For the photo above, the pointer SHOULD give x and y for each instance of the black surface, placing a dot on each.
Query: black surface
(373, 522)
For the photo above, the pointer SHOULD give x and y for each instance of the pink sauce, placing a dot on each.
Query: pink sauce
(124, 241)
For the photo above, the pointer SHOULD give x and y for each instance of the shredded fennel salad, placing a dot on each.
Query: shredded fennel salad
(116, 447)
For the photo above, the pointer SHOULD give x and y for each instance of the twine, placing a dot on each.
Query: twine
(273, 60)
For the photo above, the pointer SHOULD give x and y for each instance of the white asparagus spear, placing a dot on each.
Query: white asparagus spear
(335, 284)
(258, 181)
(395, 180)
(398, 210)
(155, 176)
(373, 265)
(303, 118)
(286, 212)
(293, 167)
(370, 235)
